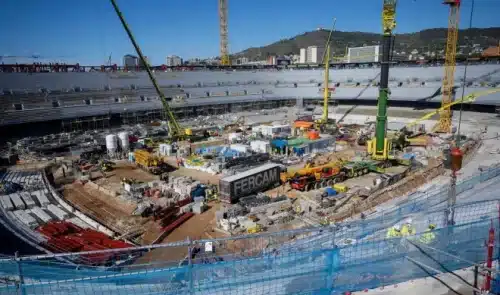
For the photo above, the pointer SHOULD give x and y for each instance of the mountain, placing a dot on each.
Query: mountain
(423, 41)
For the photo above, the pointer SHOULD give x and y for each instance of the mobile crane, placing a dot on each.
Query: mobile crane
(380, 147)
(175, 130)
(325, 122)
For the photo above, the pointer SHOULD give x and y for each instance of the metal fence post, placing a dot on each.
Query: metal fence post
(20, 288)
(190, 266)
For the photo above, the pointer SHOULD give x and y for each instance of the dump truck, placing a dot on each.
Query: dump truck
(150, 162)
(254, 180)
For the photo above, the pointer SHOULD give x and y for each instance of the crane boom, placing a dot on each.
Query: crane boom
(174, 128)
(379, 146)
(466, 99)
(445, 115)
(224, 51)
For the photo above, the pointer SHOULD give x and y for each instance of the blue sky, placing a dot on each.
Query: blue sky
(89, 30)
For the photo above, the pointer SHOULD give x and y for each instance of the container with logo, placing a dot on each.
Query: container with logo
(251, 181)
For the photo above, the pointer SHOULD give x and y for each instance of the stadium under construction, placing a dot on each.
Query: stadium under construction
(331, 180)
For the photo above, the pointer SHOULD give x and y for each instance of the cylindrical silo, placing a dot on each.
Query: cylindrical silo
(111, 143)
(124, 141)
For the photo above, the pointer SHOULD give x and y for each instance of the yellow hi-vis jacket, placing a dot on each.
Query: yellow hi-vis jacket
(427, 237)
(393, 233)
(407, 230)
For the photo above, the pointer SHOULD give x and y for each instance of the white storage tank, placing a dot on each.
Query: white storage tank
(111, 143)
(165, 149)
(124, 143)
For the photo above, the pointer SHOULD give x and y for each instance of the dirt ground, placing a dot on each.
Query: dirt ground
(124, 170)
(200, 226)
(107, 210)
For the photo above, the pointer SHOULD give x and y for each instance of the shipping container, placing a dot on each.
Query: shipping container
(251, 181)
(41, 214)
(58, 212)
(6, 203)
(16, 200)
(28, 200)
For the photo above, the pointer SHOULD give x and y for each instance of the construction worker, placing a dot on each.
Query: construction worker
(428, 236)
(394, 232)
(407, 229)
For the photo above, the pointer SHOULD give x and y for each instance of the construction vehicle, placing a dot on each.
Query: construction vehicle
(445, 114)
(315, 178)
(359, 168)
(175, 131)
(150, 162)
(255, 229)
(325, 123)
(106, 166)
(380, 147)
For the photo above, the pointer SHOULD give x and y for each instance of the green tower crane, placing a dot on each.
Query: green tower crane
(380, 146)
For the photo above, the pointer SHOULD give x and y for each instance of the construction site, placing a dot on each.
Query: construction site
(338, 181)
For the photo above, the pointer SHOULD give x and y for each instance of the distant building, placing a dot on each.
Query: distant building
(363, 54)
(315, 54)
(271, 60)
(295, 59)
(141, 64)
(303, 56)
(130, 61)
(492, 51)
(241, 60)
(173, 61)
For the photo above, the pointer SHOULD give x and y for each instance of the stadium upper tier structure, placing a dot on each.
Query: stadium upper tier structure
(37, 97)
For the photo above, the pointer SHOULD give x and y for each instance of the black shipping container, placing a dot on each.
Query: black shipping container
(255, 180)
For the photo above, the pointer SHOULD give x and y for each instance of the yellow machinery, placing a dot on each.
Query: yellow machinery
(175, 131)
(445, 113)
(308, 170)
(326, 89)
(467, 99)
(380, 146)
(252, 230)
(224, 52)
(149, 162)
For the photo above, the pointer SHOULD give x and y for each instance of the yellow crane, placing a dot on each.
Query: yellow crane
(466, 99)
(445, 113)
(326, 89)
(224, 51)
(175, 130)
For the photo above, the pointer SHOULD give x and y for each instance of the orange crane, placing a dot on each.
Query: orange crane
(444, 124)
